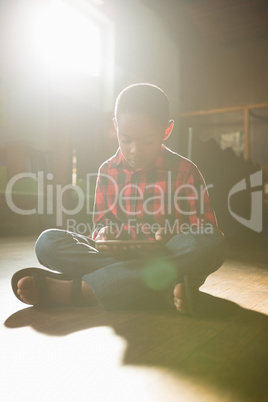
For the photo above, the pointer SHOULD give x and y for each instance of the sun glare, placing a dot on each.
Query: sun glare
(64, 41)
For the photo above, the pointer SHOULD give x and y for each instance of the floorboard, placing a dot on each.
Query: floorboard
(86, 353)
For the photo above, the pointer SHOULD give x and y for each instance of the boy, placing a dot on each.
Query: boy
(144, 192)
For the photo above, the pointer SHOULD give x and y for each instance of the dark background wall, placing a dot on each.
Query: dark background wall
(223, 75)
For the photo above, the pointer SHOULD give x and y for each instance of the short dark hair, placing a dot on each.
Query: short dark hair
(143, 98)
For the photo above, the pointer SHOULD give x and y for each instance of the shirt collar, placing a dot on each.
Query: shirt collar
(117, 159)
(161, 161)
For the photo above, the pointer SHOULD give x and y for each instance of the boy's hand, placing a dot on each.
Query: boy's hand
(106, 234)
(162, 235)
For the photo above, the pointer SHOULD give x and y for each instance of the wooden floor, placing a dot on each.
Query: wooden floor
(87, 354)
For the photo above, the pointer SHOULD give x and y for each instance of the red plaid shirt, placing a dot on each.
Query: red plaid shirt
(171, 193)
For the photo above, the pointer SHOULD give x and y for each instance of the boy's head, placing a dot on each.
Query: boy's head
(142, 123)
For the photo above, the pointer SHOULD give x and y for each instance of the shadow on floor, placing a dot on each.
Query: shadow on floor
(249, 247)
(224, 345)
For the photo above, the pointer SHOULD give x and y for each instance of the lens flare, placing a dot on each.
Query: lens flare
(159, 274)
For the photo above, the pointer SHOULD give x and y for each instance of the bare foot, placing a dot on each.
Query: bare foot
(180, 298)
(59, 291)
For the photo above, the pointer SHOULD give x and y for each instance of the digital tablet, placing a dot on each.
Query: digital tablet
(126, 242)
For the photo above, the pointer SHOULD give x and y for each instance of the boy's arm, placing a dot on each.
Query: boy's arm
(199, 209)
(195, 210)
(100, 213)
(106, 224)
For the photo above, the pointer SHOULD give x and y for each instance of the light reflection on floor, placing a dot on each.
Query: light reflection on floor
(61, 356)
(85, 365)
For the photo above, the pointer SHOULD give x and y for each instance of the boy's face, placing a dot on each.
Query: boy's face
(140, 138)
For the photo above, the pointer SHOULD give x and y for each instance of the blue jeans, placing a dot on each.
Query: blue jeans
(132, 277)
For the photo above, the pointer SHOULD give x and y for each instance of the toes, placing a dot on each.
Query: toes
(27, 290)
(179, 291)
(179, 298)
(180, 305)
(26, 297)
(26, 283)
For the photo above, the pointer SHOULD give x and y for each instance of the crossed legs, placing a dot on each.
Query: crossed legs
(128, 279)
